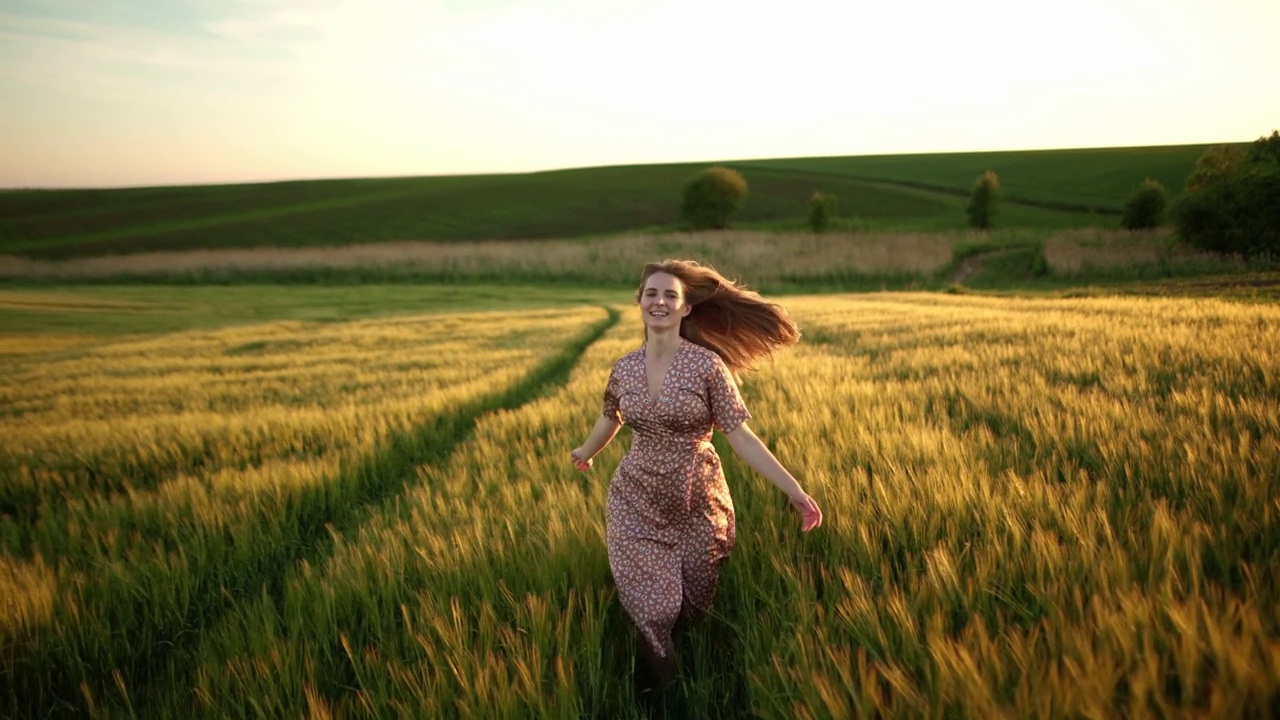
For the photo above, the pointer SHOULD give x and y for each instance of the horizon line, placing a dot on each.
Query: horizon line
(337, 178)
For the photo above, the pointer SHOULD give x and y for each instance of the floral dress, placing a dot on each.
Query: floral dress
(670, 517)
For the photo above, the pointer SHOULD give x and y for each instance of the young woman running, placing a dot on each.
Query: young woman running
(670, 523)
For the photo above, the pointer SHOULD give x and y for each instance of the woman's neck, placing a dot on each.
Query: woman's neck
(663, 344)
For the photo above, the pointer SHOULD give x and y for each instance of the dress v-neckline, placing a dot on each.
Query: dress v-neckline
(662, 389)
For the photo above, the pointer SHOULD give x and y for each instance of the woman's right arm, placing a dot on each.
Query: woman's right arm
(603, 432)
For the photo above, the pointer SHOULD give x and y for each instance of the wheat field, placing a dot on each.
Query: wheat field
(1050, 508)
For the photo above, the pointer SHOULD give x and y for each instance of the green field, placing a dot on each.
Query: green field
(113, 311)
(266, 501)
(1094, 179)
(1065, 189)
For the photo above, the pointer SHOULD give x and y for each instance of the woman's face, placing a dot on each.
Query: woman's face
(662, 302)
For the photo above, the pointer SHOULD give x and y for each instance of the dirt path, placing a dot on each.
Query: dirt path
(967, 268)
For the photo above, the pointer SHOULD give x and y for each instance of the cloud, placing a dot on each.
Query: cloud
(268, 25)
(135, 62)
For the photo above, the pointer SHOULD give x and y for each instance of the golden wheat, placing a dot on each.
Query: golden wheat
(166, 463)
(1034, 508)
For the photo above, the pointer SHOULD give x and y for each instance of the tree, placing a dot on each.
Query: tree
(1231, 202)
(982, 202)
(1215, 165)
(712, 197)
(822, 209)
(1145, 208)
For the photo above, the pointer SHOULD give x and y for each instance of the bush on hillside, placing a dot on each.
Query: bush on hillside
(982, 202)
(1145, 209)
(1231, 203)
(712, 197)
(822, 210)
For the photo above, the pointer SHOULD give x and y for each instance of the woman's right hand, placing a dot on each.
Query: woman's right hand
(581, 460)
(810, 513)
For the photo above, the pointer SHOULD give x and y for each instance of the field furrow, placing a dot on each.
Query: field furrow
(482, 591)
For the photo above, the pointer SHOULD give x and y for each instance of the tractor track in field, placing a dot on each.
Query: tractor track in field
(383, 475)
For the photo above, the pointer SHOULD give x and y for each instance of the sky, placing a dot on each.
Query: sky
(105, 93)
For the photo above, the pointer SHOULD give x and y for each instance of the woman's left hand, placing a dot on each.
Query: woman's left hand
(580, 460)
(810, 513)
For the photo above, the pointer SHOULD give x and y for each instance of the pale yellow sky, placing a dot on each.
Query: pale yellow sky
(102, 93)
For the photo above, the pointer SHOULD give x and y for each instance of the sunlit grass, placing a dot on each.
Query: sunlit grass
(129, 415)
(162, 478)
(1034, 508)
(1031, 497)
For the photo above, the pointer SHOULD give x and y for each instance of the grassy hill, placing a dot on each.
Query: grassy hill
(1045, 189)
(1095, 179)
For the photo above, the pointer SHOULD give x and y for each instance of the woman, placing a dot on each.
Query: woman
(670, 517)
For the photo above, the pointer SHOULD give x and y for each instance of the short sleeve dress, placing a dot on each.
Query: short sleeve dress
(670, 521)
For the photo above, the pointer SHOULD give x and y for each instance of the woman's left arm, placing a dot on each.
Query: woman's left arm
(748, 446)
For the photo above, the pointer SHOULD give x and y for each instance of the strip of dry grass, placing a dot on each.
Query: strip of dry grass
(1084, 250)
(764, 257)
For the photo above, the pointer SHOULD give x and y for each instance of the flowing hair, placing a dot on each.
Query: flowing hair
(731, 321)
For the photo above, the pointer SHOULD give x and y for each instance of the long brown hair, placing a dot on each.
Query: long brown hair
(732, 321)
